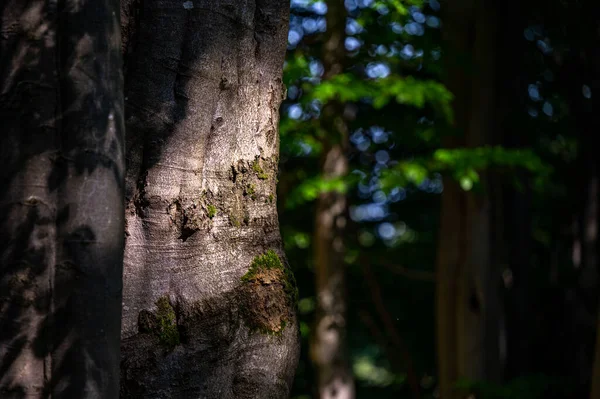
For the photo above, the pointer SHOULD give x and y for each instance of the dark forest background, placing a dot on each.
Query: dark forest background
(464, 245)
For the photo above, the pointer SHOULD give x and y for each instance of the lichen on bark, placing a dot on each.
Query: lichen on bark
(269, 294)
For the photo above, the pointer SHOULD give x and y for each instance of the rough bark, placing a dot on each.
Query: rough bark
(328, 342)
(467, 304)
(61, 202)
(208, 310)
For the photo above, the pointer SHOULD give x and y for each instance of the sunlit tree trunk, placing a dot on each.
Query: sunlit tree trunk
(328, 344)
(61, 199)
(466, 301)
(208, 302)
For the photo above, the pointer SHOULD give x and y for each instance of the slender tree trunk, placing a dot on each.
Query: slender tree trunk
(61, 202)
(467, 304)
(209, 304)
(328, 346)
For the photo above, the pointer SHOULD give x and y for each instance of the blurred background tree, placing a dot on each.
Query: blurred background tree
(438, 197)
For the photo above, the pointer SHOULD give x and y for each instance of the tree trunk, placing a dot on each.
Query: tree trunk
(62, 178)
(209, 303)
(467, 304)
(328, 347)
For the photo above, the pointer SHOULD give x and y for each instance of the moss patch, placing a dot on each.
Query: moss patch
(269, 294)
(162, 323)
(235, 222)
(212, 211)
(260, 173)
(251, 191)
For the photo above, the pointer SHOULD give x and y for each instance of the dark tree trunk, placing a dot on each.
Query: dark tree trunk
(466, 297)
(578, 326)
(61, 199)
(328, 343)
(209, 304)
(513, 242)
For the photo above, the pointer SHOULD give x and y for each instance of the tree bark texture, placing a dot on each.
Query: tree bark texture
(208, 310)
(61, 203)
(328, 342)
(466, 301)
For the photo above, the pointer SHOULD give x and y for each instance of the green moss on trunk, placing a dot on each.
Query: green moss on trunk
(212, 211)
(162, 323)
(269, 294)
(260, 173)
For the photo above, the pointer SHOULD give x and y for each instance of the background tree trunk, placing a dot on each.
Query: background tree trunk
(467, 304)
(328, 347)
(61, 202)
(208, 311)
